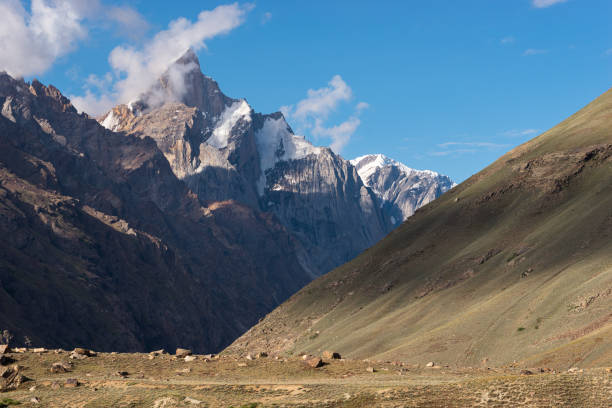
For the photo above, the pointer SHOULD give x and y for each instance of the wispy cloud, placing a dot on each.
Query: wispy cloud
(460, 148)
(266, 17)
(534, 51)
(520, 132)
(608, 52)
(507, 40)
(312, 112)
(473, 144)
(546, 3)
(31, 40)
(136, 69)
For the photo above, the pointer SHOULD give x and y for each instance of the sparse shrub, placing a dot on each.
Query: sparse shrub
(6, 337)
(520, 329)
(8, 401)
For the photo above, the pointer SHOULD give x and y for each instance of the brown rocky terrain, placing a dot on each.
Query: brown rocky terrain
(57, 378)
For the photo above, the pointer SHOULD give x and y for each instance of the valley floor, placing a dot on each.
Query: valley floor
(141, 380)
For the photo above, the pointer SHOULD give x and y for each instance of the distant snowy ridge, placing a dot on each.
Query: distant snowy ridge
(400, 189)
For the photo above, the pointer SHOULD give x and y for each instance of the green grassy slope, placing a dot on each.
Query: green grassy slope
(513, 264)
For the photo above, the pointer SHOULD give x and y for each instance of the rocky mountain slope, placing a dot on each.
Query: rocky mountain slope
(223, 150)
(401, 190)
(513, 264)
(102, 245)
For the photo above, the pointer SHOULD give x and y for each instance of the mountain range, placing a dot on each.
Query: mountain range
(178, 219)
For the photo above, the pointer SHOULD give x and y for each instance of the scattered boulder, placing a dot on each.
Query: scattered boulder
(39, 350)
(331, 355)
(35, 400)
(80, 353)
(249, 357)
(55, 385)
(315, 362)
(573, 370)
(71, 383)
(307, 356)
(181, 352)
(20, 350)
(190, 358)
(192, 401)
(526, 372)
(430, 364)
(59, 367)
(370, 370)
(4, 348)
(184, 371)
(242, 364)
(158, 352)
(261, 354)
(122, 374)
(11, 378)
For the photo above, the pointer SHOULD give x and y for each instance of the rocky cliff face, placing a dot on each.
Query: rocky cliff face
(400, 189)
(223, 150)
(101, 244)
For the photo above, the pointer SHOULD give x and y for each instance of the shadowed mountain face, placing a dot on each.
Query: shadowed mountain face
(513, 264)
(223, 150)
(102, 245)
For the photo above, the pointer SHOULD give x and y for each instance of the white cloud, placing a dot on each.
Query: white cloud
(534, 51)
(312, 112)
(546, 3)
(320, 102)
(31, 40)
(137, 69)
(507, 40)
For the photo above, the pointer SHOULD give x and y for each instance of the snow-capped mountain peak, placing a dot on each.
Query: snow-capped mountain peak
(400, 189)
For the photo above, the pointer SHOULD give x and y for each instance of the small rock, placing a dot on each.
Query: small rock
(32, 388)
(151, 357)
(261, 354)
(249, 357)
(3, 348)
(573, 370)
(306, 357)
(39, 350)
(209, 356)
(59, 367)
(122, 374)
(71, 383)
(55, 385)
(526, 372)
(315, 362)
(331, 355)
(193, 401)
(430, 364)
(20, 350)
(190, 358)
(184, 371)
(35, 400)
(242, 364)
(608, 370)
(181, 352)
(158, 352)
(58, 351)
(84, 352)
(370, 370)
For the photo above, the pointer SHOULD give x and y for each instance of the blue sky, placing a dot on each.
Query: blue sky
(443, 85)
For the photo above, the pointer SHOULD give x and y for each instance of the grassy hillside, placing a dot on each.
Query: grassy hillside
(513, 264)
